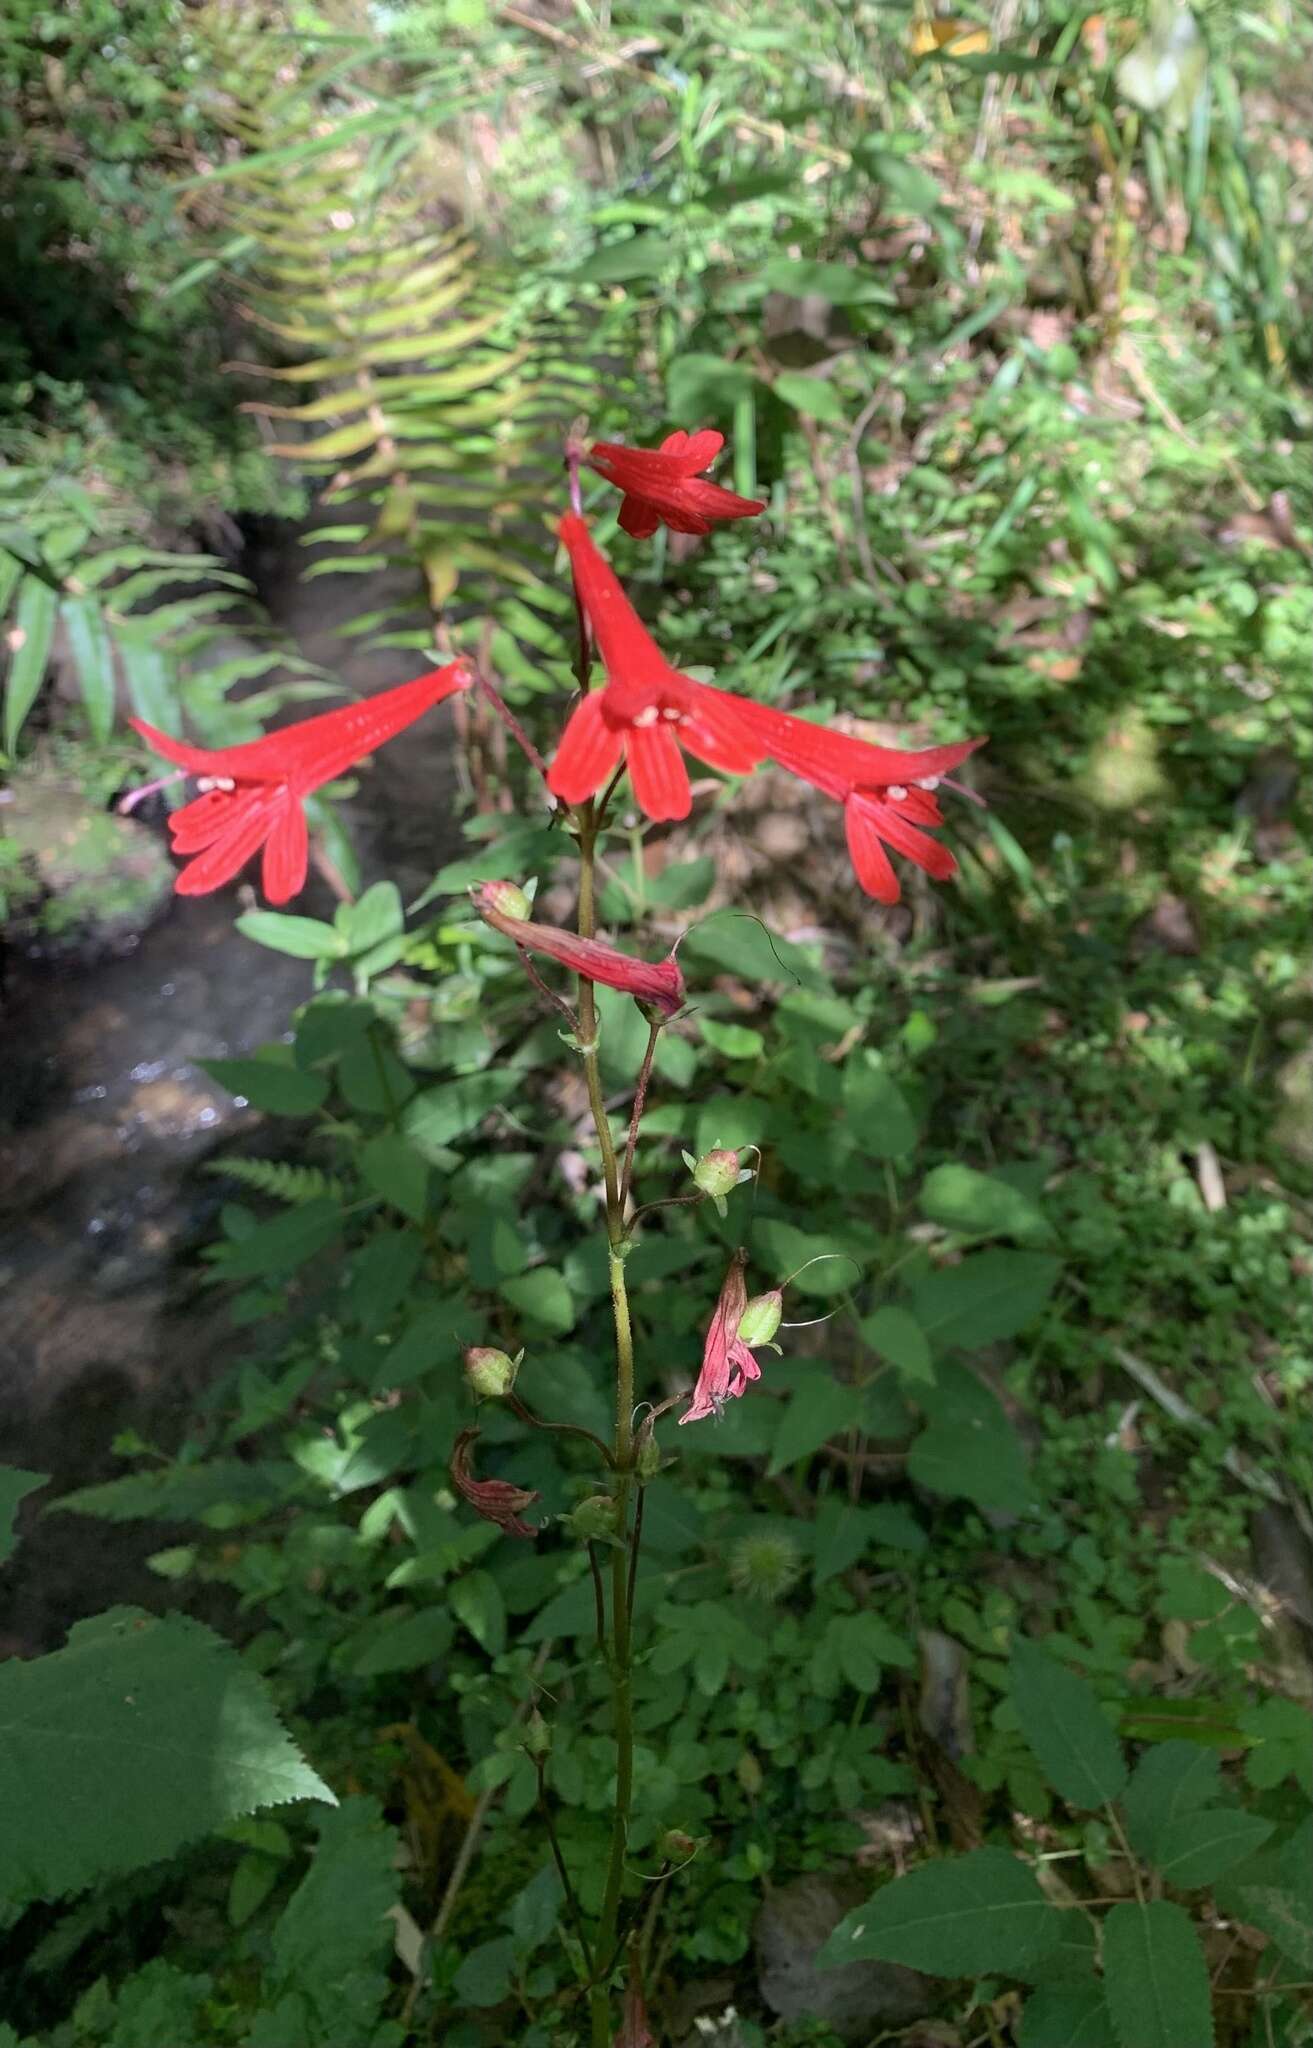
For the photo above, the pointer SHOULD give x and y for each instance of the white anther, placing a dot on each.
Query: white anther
(672, 717)
(928, 782)
(896, 793)
(646, 717)
(205, 783)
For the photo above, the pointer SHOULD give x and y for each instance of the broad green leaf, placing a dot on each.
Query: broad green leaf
(395, 1170)
(185, 1493)
(139, 1736)
(987, 1297)
(826, 1409)
(732, 943)
(703, 386)
(1067, 2016)
(899, 1339)
(476, 1601)
(305, 938)
(840, 1534)
(734, 1041)
(93, 655)
(15, 1485)
(1195, 1848)
(544, 1297)
(398, 1639)
(437, 1115)
(876, 1115)
(375, 916)
(381, 1274)
(1155, 1979)
(1170, 1781)
(816, 397)
(283, 1243)
(1062, 1720)
(333, 1942)
(843, 284)
(619, 262)
(269, 1084)
(537, 1909)
(484, 1977)
(970, 1448)
(152, 683)
(30, 637)
(978, 1205)
(961, 1916)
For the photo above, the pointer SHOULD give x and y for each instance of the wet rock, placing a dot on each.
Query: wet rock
(89, 883)
(793, 1925)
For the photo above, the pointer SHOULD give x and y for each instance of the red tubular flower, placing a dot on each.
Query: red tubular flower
(660, 984)
(647, 710)
(252, 795)
(887, 793)
(664, 484)
(727, 1363)
(495, 1499)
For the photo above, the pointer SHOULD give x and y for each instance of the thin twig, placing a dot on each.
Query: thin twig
(510, 721)
(517, 1407)
(599, 1598)
(666, 1202)
(564, 1875)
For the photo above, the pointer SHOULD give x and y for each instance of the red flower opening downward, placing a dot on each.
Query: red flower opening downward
(647, 710)
(664, 485)
(887, 793)
(661, 984)
(727, 1363)
(251, 796)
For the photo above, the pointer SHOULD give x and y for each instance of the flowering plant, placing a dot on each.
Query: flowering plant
(640, 721)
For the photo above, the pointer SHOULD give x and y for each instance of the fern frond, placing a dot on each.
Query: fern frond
(280, 1179)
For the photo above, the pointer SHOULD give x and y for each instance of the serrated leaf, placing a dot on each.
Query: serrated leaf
(876, 1114)
(395, 1170)
(1196, 1848)
(826, 1409)
(816, 397)
(1155, 1979)
(476, 1601)
(398, 1639)
(15, 1485)
(979, 1205)
(987, 1297)
(332, 1944)
(282, 1244)
(544, 1297)
(437, 1115)
(1170, 1781)
(1062, 1720)
(140, 1735)
(1067, 2016)
(734, 1041)
(964, 1916)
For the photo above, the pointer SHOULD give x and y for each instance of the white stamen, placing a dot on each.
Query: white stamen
(205, 783)
(896, 793)
(646, 717)
(928, 782)
(673, 717)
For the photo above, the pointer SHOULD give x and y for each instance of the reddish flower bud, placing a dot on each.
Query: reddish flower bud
(661, 984)
(495, 1499)
(716, 1173)
(489, 1374)
(506, 897)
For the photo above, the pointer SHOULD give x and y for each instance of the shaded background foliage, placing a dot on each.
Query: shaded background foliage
(1007, 316)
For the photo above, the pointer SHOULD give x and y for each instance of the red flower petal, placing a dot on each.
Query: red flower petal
(286, 854)
(927, 853)
(638, 519)
(838, 764)
(590, 752)
(657, 774)
(201, 822)
(634, 663)
(871, 862)
(715, 730)
(252, 815)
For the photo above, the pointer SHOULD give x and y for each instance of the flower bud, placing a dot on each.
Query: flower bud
(647, 1456)
(490, 1374)
(537, 1735)
(507, 898)
(716, 1172)
(676, 1847)
(594, 1520)
(761, 1318)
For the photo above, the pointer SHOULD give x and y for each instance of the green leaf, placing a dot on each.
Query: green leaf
(152, 684)
(619, 262)
(437, 1115)
(963, 1916)
(269, 1084)
(1062, 1720)
(476, 1601)
(35, 622)
(381, 1273)
(395, 1170)
(843, 284)
(1170, 1782)
(1155, 1979)
(876, 1115)
(537, 1909)
(989, 1296)
(398, 1639)
(1195, 1848)
(305, 938)
(93, 655)
(970, 1448)
(732, 943)
(283, 1243)
(816, 397)
(484, 1978)
(140, 1735)
(826, 1409)
(1067, 2016)
(332, 1945)
(15, 1485)
(899, 1339)
(702, 386)
(735, 1041)
(544, 1297)
(374, 917)
(978, 1205)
